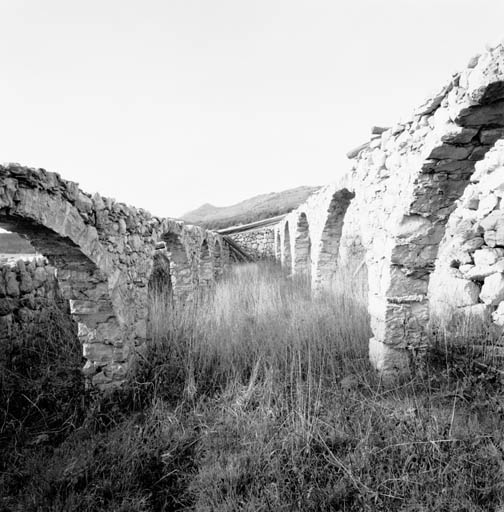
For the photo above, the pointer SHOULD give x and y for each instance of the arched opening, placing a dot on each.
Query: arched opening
(181, 271)
(160, 296)
(287, 258)
(86, 288)
(206, 270)
(302, 247)
(217, 259)
(160, 283)
(327, 263)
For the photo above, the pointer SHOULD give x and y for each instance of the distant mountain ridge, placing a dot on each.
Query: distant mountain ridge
(12, 243)
(250, 210)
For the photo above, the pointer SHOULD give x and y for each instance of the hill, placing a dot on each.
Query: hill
(251, 210)
(11, 243)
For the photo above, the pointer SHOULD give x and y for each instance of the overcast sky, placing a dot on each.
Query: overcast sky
(169, 104)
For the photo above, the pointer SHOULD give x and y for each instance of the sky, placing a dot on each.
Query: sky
(169, 104)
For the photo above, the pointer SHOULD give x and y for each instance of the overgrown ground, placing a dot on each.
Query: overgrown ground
(259, 399)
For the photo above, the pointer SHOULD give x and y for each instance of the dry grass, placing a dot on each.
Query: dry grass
(260, 398)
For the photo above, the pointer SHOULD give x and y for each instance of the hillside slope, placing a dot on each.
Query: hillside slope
(251, 210)
(11, 243)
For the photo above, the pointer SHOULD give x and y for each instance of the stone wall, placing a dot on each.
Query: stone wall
(105, 253)
(391, 210)
(26, 290)
(469, 275)
(257, 243)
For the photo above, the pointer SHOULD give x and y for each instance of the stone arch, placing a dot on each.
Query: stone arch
(181, 271)
(160, 293)
(330, 238)
(54, 227)
(105, 253)
(287, 255)
(402, 256)
(206, 267)
(302, 247)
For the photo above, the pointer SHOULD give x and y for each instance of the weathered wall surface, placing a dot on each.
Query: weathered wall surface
(257, 243)
(394, 204)
(26, 290)
(105, 253)
(469, 274)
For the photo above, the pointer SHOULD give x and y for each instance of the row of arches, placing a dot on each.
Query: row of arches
(407, 182)
(307, 241)
(109, 259)
(185, 268)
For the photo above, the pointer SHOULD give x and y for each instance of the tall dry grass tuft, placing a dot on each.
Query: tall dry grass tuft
(260, 397)
(258, 326)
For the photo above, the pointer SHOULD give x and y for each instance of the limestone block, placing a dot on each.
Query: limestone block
(26, 284)
(478, 273)
(490, 238)
(87, 307)
(402, 285)
(458, 135)
(487, 256)
(110, 331)
(498, 315)
(470, 200)
(90, 368)
(122, 226)
(447, 151)
(492, 291)
(116, 371)
(463, 292)
(487, 204)
(491, 135)
(12, 285)
(136, 242)
(402, 323)
(465, 269)
(84, 203)
(39, 277)
(104, 353)
(493, 182)
(473, 243)
(483, 115)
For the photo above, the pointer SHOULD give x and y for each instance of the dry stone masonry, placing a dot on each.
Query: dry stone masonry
(26, 290)
(420, 209)
(392, 208)
(257, 243)
(107, 256)
(469, 277)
